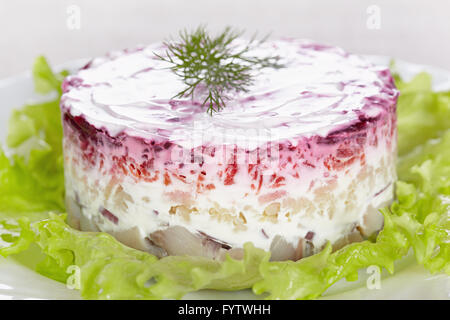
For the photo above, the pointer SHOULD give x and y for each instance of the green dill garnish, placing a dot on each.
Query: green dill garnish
(213, 63)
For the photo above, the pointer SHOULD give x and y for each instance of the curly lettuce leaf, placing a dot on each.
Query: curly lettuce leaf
(45, 80)
(422, 113)
(111, 270)
(31, 185)
(32, 179)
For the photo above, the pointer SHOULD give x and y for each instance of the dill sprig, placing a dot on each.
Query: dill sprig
(213, 63)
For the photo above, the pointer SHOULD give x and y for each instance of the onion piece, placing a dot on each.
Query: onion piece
(282, 250)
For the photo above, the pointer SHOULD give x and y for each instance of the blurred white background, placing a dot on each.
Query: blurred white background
(413, 30)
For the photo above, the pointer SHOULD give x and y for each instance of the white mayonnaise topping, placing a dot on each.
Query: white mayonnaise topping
(318, 90)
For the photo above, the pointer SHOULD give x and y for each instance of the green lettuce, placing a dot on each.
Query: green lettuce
(32, 207)
(32, 179)
(422, 113)
(111, 270)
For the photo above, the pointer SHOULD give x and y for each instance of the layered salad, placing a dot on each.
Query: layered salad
(226, 163)
(304, 156)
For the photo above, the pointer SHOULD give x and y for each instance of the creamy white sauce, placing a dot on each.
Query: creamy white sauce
(317, 91)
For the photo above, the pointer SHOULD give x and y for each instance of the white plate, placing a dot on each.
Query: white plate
(410, 281)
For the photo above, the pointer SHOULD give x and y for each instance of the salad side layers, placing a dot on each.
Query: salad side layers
(304, 156)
